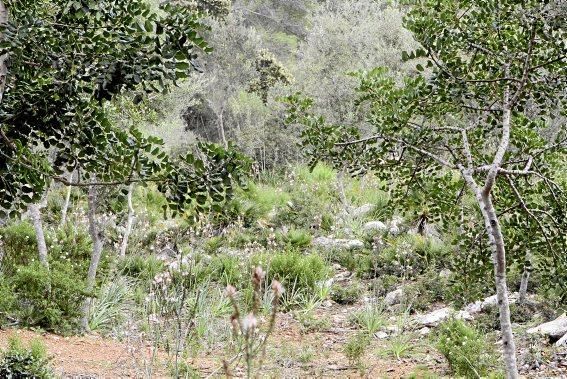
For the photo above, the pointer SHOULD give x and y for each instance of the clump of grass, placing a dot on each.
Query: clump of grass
(370, 319)
(111, 304)
(399, 346)
(466, 350)
(356, 347)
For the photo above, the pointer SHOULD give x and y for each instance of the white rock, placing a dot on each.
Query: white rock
(394, 297)
(375, 226)
(331, 243)
(562, 341)
(362, 211)
(393, 329)
(445, 273)
(381, 335)
(554, 329)
(436, 317)
(474, 308)
(424, 331)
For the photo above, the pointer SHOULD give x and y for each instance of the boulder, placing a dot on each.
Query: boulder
(562, 341)
(361, 211)
(555, 329)
(332, 243)
(375, 227)
(436, 317)
(394, 297)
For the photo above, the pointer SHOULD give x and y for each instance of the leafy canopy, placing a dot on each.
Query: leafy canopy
(425, 134)
(66, 59)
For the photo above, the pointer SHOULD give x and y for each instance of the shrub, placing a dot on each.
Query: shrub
(20, 362)
(296, 238)
(355, 348)
(140, 267)
(226, 270)
(20, 245)
(295, 270)
(466, 350)
(48, 299)
(346, 294)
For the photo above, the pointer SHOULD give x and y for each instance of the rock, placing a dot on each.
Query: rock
(474, 308)
(436, 317)
(424, 331)
(555, 329)
(393, 329)
(394, 297)
(361, 211)
(445, 273)
(562, 341)
(381, 335)
(375, 227)
(395, 226)
(331, 243)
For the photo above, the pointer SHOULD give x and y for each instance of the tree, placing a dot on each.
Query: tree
(493, 74)
(67, 59)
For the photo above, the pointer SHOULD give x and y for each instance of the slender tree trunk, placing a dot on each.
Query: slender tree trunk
(67, 200)
(499, 259)
(35, 215)
(129, 223)
(221, 129)
(3, 66)
(96, 254)
(496, 240)
(525, 279)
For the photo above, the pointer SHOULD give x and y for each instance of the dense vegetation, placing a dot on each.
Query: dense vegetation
(216, 178)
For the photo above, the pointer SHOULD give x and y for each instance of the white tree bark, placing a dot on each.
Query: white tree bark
(66, 203)
(35, 216)
(96, 237)
(129, 223)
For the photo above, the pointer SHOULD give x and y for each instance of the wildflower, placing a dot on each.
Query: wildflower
(258, 275)
(277, 288)
(249, 323)
(230, 291)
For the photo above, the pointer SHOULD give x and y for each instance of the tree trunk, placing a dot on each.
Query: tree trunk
(3, 66)
(129, 223)
(496, 239)
(525, 280)
(67, 200)
(221, 129)
(95, 257)
(35, 215)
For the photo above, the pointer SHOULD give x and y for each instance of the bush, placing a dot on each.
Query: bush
(19, 245)
(296, 238)
(298, 271)
(20, 362)
(346, 294)
(355, 348)
(139, 267)
(48, 299)
(110, 305)
(466, 350)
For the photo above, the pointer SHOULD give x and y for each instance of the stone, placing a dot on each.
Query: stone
(424, 331)
(362, 211)
(474, 308)
(555, 329)
(562, 341)
(436, 317)
(394, 297)
(375, 227)
(332, 243)
(381, 335)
